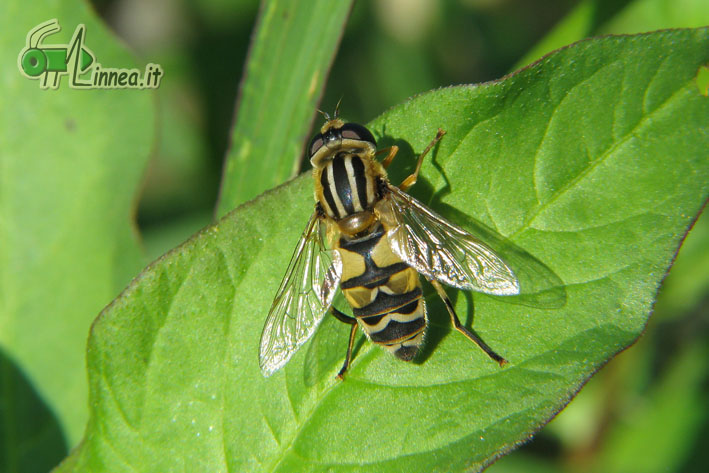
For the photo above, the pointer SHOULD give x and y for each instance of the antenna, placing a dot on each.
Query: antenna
(325, 114)
(337, 108)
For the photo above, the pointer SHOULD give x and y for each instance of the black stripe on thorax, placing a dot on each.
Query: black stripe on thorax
(343, 191)
(342, 183)
(361, 181)
(326, 191)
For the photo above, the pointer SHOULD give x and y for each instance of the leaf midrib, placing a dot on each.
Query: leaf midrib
(592, 165)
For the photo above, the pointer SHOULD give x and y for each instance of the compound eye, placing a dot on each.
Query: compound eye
(315, 144)
(354, 131)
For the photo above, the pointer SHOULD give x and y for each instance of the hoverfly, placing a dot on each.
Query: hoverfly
(380, 240)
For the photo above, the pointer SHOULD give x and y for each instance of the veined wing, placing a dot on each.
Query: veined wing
(305, 295)
(443, 251)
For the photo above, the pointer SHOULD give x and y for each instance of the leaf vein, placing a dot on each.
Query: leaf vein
(592, 165)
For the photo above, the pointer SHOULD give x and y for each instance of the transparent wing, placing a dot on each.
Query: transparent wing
(305, 295)
(443, 251)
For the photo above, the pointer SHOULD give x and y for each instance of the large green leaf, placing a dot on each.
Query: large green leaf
(593, 161)
(292, 49)
(70, 164)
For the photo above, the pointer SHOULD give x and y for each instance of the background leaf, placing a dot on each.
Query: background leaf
(601, 17)
(293, 47)
(593, 160)
(69, 172)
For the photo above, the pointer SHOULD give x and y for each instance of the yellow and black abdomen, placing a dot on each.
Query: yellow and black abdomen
(384, 292)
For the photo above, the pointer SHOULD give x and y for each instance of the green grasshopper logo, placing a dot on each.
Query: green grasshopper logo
(40, 61)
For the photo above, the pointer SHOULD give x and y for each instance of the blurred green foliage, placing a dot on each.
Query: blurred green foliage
(389, 51)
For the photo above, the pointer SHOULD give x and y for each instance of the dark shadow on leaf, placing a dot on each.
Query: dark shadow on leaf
(405, 161)
(31, 437)
(404, 164)
(540, 287)
(439, 325)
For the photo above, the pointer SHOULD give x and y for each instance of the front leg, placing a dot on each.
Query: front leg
(392, 150)
(411, 180)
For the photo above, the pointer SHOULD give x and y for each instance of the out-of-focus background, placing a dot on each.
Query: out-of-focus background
(648, 409)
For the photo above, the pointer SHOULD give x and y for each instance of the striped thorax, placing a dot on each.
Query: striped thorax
(346, 174)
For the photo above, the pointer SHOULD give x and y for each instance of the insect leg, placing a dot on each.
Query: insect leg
(352, 321)
(462, 329)
(392, 150)
(411, 180)
(342, 317)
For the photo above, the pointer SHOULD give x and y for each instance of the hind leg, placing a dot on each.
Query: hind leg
(462, 329)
